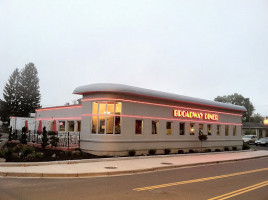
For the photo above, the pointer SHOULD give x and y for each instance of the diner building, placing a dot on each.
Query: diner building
(113, 119)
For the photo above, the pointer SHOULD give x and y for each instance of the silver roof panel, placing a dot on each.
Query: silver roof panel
(120, 88)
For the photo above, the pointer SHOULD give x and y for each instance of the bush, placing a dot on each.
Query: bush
(39, 155)
(54, 141)
(18, 148)
(1, 135)
(191, 151)
(217, 150)
(180, 151)
(27, 150)
(152, 152)
(8, 153)
(23, 139)
(234, 148)
(68, 153)
(44, 138)
(207, 150)
(167, 151)
(131, 152)
(52, 133)
(226, 149)
(2, 153)
(245, 146)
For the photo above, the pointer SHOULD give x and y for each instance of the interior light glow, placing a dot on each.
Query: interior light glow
(158, 104)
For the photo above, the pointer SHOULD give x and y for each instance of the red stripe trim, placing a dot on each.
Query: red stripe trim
(163, 118)
(158, 104)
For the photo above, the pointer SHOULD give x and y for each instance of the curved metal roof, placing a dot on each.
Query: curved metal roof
(120, 88)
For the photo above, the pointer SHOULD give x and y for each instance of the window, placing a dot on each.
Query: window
(70, 125)
(182, 125)
(62, 125)
(191, 129)
(201, 128)
(226, 130)
(155, 127)
(218, 129)
(169, 128)
(105, 119)
(234, 130)
(138, 126)
(78, 126)
(209, 129)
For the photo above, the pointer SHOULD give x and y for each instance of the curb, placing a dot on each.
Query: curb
(96, 174)
(28, 164)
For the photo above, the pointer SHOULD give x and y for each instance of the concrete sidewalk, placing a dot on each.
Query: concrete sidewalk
(121, 165)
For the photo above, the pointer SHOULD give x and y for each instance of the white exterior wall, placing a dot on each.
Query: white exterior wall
(102, 144)
(18, 123)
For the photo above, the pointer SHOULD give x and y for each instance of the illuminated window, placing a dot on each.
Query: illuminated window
(182, 128)
(234, 130)
(169, 128)
(191, 129)
(155, 127)
(201, 128)
(226, 130)
(209, 129)
(70, 125)
(138, 126)
(106, 120)
(62, 125)
(218, 129)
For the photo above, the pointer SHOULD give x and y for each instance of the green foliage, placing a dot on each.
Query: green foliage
(226, 149)
(2, 153)
(152, 152)
(29, 89)
(191, 151)
(26, 151)
(8, 153)
(132, 152)
(180, 151)
(245, 146)
(202, 137)
(238, 99)
(256, 118)
(54, 141)
(23, 139)
(21, 93)
(250, 132)
(44, 138)
(167, 151)
(234, 148)
(18, 148)
(52, 133)
(68, 153)
(10, 136)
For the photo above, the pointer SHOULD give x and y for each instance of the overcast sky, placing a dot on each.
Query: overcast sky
(202, 48)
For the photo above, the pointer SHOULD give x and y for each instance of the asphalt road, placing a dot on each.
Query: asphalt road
(236, 179)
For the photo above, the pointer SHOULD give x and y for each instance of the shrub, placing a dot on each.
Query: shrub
(1, 135)
(52, 133)
(131, 152)
(39, 155)
(152, 152)
(44, 138)
(234, 148)
(68, 153)
(207, 150)
(245, 146)
(8, 153)
(23, 139)
(226, 149)
(31, 156)
(2, 153)
(217, 150)
(27, 150)
(180, 151)
(18, 148)
(191, 151)
(167, 151)
(54, 141)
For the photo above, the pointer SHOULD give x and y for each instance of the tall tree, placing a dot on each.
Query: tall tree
(11, 94)
(4, 112)
(238, 99)
(257, 118)
(29, 90)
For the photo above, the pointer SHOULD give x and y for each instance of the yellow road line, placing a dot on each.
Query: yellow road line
(198, 180)
(240, 191)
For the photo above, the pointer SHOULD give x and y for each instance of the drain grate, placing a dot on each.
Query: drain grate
(166, 163)
(110, 167)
